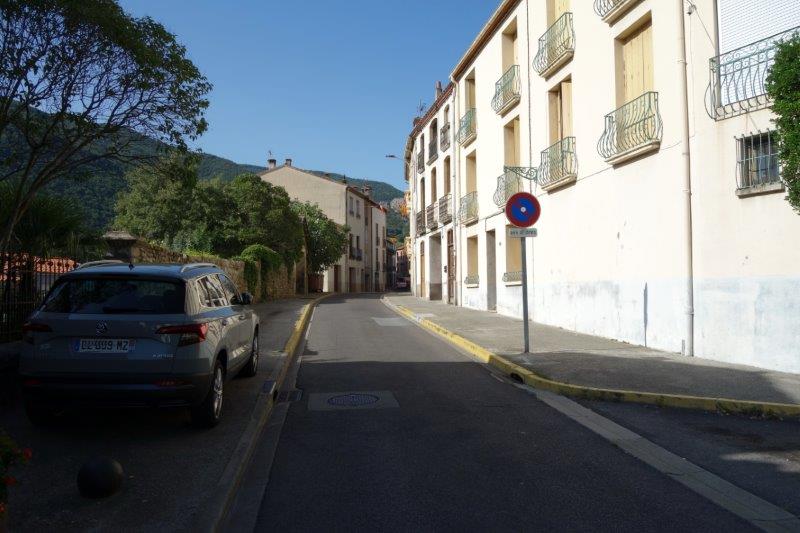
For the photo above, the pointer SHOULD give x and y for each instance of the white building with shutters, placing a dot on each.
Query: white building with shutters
(644, 129)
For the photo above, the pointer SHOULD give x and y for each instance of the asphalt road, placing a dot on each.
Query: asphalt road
(462, 450)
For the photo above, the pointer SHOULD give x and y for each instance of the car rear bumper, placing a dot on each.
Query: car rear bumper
(116, 391)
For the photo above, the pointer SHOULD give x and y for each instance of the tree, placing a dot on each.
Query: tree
(783, 87)
(82, 81)
(261, 214)
(51, 225)
(158, 198)
(326, 239)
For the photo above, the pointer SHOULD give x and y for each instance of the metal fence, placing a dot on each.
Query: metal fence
(508, 184)
(445, 212)
(632, 126)
(556, 44)
(738, 81)
(604, 7)
(444, 137)
(468, 208)
(433, 149)
(506, 89)
(24, 282)
(558, 162)
(467, 127)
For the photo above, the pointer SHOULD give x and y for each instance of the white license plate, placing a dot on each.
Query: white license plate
(104, 345)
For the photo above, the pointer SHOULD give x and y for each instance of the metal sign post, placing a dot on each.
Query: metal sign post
(523, 210)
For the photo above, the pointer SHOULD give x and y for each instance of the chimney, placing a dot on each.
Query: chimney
(271, 163)
(367, 191)
(288, 162)
(439, 89)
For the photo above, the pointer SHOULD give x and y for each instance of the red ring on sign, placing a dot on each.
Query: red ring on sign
(523, 210)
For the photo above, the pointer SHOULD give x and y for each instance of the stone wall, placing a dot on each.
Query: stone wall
(128, 248)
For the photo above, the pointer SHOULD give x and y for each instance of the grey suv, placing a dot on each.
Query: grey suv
(113, 334)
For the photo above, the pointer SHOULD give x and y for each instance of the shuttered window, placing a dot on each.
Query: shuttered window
(637, 63)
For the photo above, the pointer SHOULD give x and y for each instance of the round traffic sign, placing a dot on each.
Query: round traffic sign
(523, 210)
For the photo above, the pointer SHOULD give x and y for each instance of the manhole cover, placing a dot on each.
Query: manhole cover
(352, 400)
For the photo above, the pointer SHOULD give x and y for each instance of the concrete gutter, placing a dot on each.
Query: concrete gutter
(532, 379)
(211, 518)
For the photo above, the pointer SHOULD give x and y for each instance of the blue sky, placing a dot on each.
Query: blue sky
(332, 84)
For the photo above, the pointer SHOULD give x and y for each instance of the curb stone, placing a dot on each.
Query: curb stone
(528, 377)
(212, 517)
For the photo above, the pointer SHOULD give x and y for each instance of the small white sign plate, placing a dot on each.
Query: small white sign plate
(522, 233)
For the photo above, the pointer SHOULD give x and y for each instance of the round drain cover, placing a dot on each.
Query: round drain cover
(352, 400)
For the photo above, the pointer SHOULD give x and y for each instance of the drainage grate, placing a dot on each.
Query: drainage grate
(353, 400)
(289, 396)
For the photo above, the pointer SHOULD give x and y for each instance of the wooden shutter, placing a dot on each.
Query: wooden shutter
(566, 109)
(637, 63)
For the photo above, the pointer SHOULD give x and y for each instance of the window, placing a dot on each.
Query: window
(561, 111)
(434, 192)
(757, 161)
(510, 48)
(472, 261)
(358, 208)
(513, 258)
(231, 292)
(511, 138)
(351, 205)
(446, 176)
(116, 296)
(556, 8)
(635, 63)
(472, 172)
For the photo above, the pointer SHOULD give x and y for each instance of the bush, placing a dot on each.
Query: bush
(269, 260)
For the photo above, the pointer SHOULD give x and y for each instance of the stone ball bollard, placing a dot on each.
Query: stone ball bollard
(100, 477)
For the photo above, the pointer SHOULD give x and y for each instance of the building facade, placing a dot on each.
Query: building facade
(361, 267)
(644, 129)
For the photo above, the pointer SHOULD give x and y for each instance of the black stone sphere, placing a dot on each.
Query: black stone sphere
(100, 477)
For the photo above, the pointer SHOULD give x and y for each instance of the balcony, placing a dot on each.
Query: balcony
(352, 253)
(468, 208)
(433, 150)
(420, 162)
(512, 277)
(556, 46)
(420, 219)
(444, 137)
(559, 165)
(508, 184)
(632, 130)
(468, 128)
(431, 218)
(445, 211)
(506, 91)
(611, 10)
(472, 280)
(359, 255)
(738, 78)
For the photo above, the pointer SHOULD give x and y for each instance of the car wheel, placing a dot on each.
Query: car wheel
(251, 368)
(209, 412)
(38, 415)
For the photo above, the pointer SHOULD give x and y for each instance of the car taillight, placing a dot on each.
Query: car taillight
(31, 327)
(190, 333)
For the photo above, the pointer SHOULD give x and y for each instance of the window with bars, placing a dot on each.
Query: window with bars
(757, 160)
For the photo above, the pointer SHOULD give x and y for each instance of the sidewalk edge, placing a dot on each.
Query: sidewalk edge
(232, 476)
(722, 405)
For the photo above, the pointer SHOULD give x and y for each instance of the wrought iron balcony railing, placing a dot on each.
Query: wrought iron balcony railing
(512, 277)
(508, 184)
(444, 137)
(468, 208)
(445, 209)
(506, 90)
(468, 128)
(420, 162)
(433, 150)
(420, 223)
(473, 279)
(631, 130)
(430, 217)
(556, 46)
(559, 164)
(739, 77)
(611, 10)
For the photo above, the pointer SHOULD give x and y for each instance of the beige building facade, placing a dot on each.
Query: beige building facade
(643, 128)
(362, 266)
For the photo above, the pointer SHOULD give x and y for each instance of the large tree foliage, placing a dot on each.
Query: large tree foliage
(783, 86)
(326, 239)
(82, 81)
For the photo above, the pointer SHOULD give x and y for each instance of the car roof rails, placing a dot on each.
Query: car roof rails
(99, 263)
(192, 266)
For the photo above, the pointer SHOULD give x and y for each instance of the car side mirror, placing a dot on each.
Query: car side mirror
(246, 298)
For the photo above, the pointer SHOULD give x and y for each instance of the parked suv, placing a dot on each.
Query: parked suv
(113, 334)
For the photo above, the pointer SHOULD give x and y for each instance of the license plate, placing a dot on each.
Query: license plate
(104, 345)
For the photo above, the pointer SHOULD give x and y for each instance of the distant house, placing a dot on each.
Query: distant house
(362, 266)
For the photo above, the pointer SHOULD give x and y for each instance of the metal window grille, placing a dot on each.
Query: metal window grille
(757, 160)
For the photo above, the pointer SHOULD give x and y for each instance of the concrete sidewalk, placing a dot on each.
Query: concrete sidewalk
(597, 362)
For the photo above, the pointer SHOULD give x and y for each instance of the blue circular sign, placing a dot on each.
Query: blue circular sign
(523, 210)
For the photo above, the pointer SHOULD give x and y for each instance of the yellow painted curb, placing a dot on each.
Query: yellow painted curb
(724, 405)
(297, 334)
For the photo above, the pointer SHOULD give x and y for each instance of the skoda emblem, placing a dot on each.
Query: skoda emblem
(101, 328)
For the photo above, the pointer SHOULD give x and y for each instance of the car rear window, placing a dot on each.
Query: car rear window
(116, 296)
